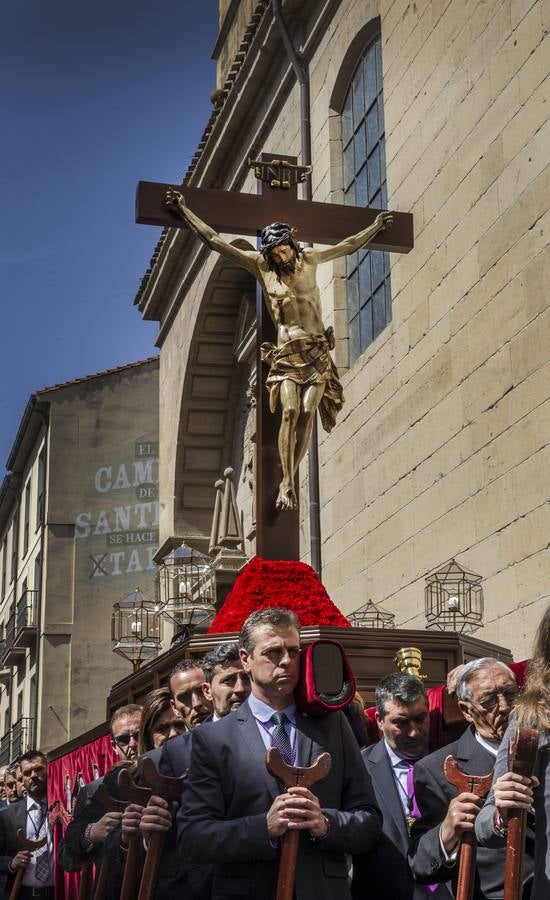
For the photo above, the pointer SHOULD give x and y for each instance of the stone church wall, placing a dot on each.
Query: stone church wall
(442, 448)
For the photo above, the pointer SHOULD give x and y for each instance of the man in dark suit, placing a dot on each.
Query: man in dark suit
(31, 816)
(486, 690)
(403, 721)
(226, 685)
(233, 813)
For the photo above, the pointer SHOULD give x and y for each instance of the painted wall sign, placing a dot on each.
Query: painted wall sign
(121, 521)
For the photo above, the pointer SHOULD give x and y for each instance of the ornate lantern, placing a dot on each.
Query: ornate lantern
(186, 590)
(371, 616)
(136, 628)
(454, 599)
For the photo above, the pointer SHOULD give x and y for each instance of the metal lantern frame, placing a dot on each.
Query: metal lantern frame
(136, 628)
(370, 615)
(185, 587)
(454, 599)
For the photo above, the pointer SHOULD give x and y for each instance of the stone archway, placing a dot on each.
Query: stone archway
(213, 394)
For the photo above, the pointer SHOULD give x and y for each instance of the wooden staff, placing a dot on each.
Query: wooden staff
(479, 785)
(26, 844)
(292, 776)
(109, 804)
(170, 790)
(522, 756)
(139, 795)
(86, 879)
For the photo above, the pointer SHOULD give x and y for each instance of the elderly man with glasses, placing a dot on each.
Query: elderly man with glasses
(486, 691)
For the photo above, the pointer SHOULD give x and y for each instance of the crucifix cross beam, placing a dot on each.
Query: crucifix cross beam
(235, 213)
(288, 297)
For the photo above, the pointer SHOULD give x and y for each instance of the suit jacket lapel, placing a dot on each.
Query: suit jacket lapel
(466, 744)
(387, 788)
(248, 729)
(476, 759)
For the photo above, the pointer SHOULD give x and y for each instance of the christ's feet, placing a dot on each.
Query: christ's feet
(286, 498)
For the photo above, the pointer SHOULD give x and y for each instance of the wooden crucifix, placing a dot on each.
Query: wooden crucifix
(291, 338)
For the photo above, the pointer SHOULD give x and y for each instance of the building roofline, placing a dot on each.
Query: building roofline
(101, 374)
(37, 411)
(34, 417)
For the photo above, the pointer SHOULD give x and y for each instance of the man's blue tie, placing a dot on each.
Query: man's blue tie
(280, 736)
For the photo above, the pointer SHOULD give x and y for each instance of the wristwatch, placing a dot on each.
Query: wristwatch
(317, 840)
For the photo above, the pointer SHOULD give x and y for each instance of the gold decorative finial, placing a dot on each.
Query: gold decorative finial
(409, 661)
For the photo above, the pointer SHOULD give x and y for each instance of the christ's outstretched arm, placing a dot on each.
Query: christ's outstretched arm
(354, 241)
(245, 258)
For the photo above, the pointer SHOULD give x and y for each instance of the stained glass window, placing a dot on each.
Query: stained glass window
(364, 164)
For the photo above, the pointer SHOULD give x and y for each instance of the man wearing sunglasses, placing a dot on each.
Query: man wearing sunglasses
(486, 690)
(91, 825)
(125, 725)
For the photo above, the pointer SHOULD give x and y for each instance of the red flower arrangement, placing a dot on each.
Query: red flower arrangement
(280, 582)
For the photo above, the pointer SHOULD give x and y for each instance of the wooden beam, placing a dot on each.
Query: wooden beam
(235, 213)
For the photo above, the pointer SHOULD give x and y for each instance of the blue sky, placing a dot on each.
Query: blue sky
(94, 97)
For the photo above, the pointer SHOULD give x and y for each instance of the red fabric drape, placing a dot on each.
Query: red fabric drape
(64, 776)
(437, 722)
(520, 671)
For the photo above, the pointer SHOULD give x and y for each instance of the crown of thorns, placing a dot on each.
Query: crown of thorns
(275, 234)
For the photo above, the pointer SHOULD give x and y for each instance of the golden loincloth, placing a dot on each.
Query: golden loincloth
(305, 360)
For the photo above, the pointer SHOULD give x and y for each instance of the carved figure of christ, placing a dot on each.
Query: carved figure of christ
(302, 375)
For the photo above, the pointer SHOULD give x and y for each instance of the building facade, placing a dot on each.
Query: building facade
(442, 448)
(78, 530)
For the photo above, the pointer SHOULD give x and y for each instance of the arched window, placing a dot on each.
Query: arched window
(364, 183)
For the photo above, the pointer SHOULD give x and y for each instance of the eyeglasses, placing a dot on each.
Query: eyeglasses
(491, 700)
(125, 738)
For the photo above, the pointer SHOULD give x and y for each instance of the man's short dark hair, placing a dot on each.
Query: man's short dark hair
(12, 769)
(186, 665)
(131, 709)
(225, 653)
(400, 687)
(29, 755)
(275, 616)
